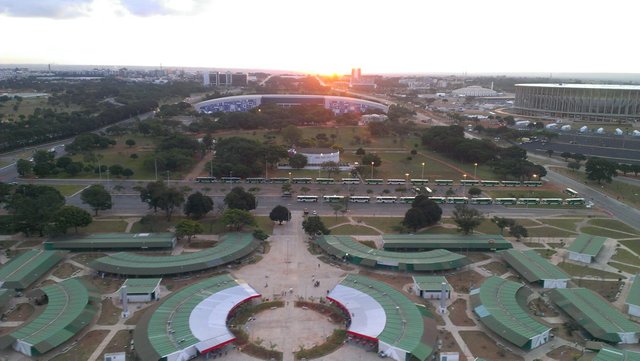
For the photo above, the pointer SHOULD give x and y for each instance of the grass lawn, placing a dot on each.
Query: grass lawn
(584, 271)
(265, 224)
(549, 232)
(84, 348)
(526, 222)
(566, 223)
(349, 229)
(488, 227)
(627, 193)
(385, 224)
(625, 267)
(68, 189)
(120, 342)
(632, 244)
(613, 224)
(332, 221)
(605, 232)
(546, 253)
(438, 230)
(624, 256)
(98, 226)
(606, 289)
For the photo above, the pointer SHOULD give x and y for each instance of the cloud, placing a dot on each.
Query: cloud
(56, 9)
(163, 7)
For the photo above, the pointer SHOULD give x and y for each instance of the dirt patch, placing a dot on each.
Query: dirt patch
(201, 243)
(396, 281)
(497, 268)
(369, 243)
(458, 313)
(476, 256)
(569, 331)
(464, 281)
(65, 270)
(565, 353)
(104, 285)
(121, 342)
(30, 244)
(20, 313)
(448, 343)
(85, 258)
(483, 346)
(606, 289)
(84, 348)
(540, 308)
(6, 330)
(110, 314)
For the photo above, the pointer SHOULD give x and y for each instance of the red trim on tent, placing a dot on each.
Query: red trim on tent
(349, 315)
(218, 346)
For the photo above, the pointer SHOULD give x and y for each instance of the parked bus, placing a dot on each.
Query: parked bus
(510, 183)
(332, 199)
(396, 181)
(490, 183)
(386, 199)
(407, 199)
(350, 180)
(255, 180)
(469, 182)
(575, 201)
(444, 182)
(554, 201)
(302, 180)
(457, 200)
(532, 183)
(374, 181)
(505, 201)
(230, 179)
(571, 192)
(206, 179)
(439, 200)
(307, 198)
(481, 201)
(359, 199)
(325, 181)
(279, 180)
(419, 182)
(528, 201)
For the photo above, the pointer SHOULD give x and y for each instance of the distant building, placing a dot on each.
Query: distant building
(430, 287)
(116, 356)
(585, 248)
(372, 118)
(474, 91)
(225, 79)
(586, 101)
(142, 289)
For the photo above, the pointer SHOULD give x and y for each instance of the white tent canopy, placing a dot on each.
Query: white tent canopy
(367, 315)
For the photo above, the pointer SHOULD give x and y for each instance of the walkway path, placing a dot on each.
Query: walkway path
(200, 167)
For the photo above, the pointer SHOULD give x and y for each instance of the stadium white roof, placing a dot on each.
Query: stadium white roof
(583, 86)
(367, 315)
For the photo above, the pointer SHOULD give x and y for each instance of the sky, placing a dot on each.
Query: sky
(327, 36)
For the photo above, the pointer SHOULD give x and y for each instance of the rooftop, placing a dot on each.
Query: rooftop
(440, 259)
(430, 282)
(593, 313)
(587, 244)
(445, 241)
(633, 298)
(583, 86)
(381, 312)
(232, 247)
(532, 266)
(141, 285)
(115, 241)
(608, 353)
(495, 303)
(24, 269)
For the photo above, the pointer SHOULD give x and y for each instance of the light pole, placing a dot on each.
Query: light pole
(475, 170)
(422, 176)
(356, 164)
(372, 170)
(406, 179)
(168, 179)
(289, 177)
(464, 183)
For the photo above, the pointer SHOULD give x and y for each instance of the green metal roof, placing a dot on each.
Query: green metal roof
(404, 327)
(445, 241)
(21, 271)
(5, 296)
(71, 306)
(232, 247)
(593, 313)
(633, 298)
(431, 283)
(154, 341)
(141, 285)
(608, 353)
(587, 244)
(496, 305)
(440, 259)
(532, 266)
(115, 241)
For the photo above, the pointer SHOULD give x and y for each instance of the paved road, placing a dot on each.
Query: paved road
(619, 210)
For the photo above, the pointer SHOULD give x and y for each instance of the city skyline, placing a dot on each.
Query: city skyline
(325, 37)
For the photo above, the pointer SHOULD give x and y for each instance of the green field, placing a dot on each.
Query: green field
(625, 267)
(104, 227)
(596, 231)
(385, 224)
(439, 230)
(607, 289)
(584, 271)
(625, 192)
(549, 232)
(624, 256)
(632, 244)
(331, 221)
(565, 223)
(68, 189)
(613, 224)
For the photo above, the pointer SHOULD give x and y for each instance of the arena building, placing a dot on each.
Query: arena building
(243, 103)
(597, 102)
(474, 91)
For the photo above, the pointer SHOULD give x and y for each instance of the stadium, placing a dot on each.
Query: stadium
(243, 103)
(595, 102)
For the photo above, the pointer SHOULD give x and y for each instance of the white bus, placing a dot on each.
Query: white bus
(307, 198)
(386, 199)
(359, 199)
(439, 200)
(350, 181)
(481, 201)
(407, 199)
(571, 192)
(396, 181)
(332, 199)
(505, 201)
(555, 201)
(457, 200)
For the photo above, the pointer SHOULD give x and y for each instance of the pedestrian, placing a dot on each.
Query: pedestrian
(318, 265)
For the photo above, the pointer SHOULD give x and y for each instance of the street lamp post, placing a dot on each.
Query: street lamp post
(463, 184)
(406, 179)
(372, 170)
(475, 170)
(289, 177)
(422, 176)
